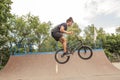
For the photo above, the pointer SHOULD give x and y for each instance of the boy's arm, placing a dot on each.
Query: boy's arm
(63, 30)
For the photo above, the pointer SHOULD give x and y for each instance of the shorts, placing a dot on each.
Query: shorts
(56, 35)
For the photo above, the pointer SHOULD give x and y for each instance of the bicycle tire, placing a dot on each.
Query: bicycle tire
(60, 54)
(84, 50)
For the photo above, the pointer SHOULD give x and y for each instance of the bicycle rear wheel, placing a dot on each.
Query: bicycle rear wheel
(60, 58)
(85, 52)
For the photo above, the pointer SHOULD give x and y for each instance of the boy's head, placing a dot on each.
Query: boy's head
(69, 21)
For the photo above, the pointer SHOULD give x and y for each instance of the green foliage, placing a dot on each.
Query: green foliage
(101, 38)
(112, 45)
(89, 35)
(109, 55)
(27, 30)
(5, 10)
(76, 31)
(48, 45)
(5, 15)
(4, 56)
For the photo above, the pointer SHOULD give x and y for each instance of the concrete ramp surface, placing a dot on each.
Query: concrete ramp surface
(44, 67)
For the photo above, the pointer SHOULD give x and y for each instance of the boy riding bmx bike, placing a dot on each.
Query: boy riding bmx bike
(58, 31)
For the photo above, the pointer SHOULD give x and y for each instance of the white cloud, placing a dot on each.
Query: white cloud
(109, 6)
(94, 8)
(110, 30)
(57, 11)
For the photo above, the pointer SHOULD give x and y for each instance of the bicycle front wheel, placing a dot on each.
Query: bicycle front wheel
(60, 58)
(85, 52)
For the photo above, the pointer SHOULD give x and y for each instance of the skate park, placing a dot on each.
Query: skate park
(28, 50)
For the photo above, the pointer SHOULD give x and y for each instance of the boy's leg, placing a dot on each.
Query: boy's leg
(64, 43)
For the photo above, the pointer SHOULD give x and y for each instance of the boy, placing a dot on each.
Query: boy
(58, 31)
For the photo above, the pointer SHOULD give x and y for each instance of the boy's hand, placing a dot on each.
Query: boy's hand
(71, 32)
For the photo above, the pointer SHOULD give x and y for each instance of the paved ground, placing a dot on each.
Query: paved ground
(117, 65)
(44, 67)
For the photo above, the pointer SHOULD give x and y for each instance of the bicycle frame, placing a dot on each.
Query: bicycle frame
(75, 45)
(72, 47)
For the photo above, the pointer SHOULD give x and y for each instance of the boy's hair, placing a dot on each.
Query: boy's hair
(70, 19)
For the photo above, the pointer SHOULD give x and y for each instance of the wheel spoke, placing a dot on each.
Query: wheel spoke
(85, 52)
(60, 58)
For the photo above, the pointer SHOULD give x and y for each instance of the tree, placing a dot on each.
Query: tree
(101, 38)
(5, 15)
(112, 46)
(38, 31)
(49, 44)
(5, 11)
(28, 30)
(41, 33)
(76, 31)
(89, 34)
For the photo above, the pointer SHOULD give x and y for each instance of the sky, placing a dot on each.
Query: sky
(101, 13)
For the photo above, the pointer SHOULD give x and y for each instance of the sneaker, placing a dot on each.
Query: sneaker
(66, 54)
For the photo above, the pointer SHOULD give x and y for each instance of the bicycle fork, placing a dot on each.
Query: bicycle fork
(85, 51)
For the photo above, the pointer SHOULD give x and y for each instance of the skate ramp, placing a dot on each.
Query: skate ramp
(44, 67)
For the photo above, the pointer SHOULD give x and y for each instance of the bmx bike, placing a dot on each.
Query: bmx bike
(84, 51)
